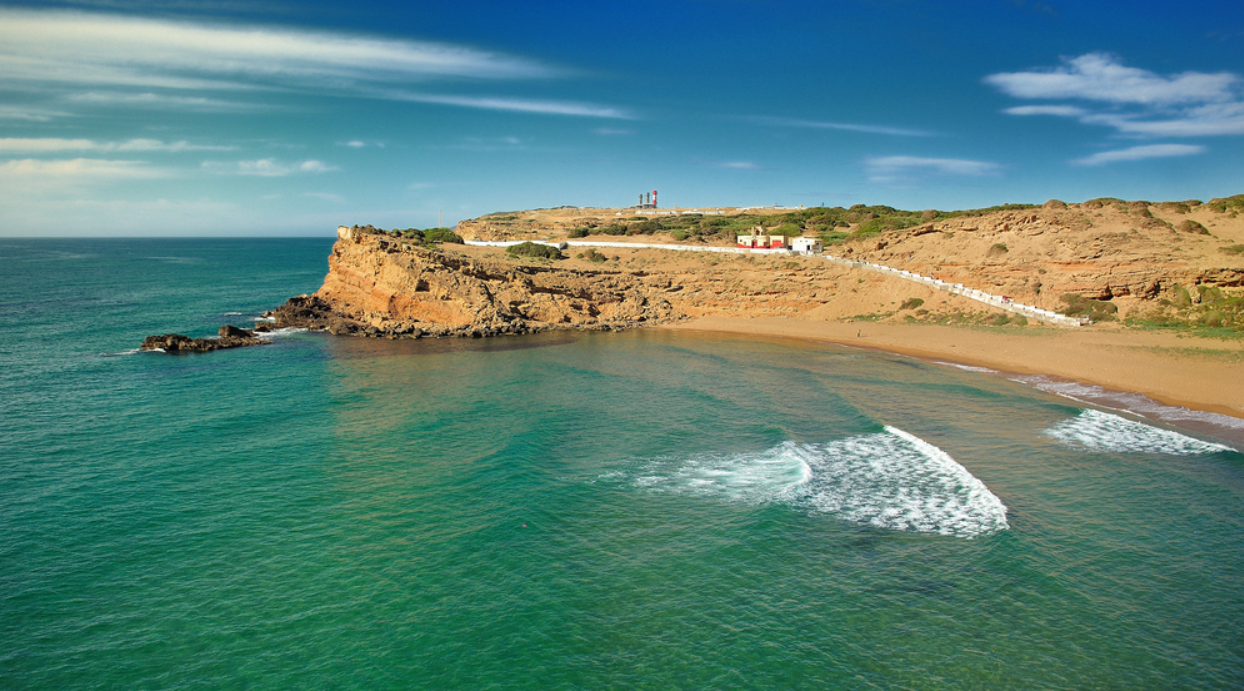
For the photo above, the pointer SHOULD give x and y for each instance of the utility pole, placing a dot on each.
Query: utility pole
(440, 219)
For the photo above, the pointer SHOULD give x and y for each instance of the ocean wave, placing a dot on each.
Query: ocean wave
(132, 351)
(1132, 402)
(891, 480)
(1105, 432)
(277, 333)
(966, 368)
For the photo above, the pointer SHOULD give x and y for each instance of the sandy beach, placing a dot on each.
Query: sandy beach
(1204, 374)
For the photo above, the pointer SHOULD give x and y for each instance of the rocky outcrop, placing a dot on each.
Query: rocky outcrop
(379, 286)
(229, 337)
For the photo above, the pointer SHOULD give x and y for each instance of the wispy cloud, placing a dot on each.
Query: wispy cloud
(78, 168)
(267, 167)
(1064, 111)
(1100, 77)
(738, 165)
(325, 196)
(612, 132)
(843, 126)
(148, 99)
(508, 143)
(1140, 153)
(1135, 102)
(28, 114)
(54, 145)
(898, 168)
(75, 50)
(519, 105)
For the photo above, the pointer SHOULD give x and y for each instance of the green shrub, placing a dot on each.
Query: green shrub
(593, 256)
(441, 235)
(1230, 205)
(579, 232)
(679, 234)
(1233, 249)
(1096, 310)
(531, 249)
(1182, 297)
(1191, 226)
(911, 303)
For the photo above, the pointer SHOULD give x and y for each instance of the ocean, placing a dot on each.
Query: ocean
(636, 510)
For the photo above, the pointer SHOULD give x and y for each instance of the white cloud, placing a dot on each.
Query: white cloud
(71, 48)
(843, 126)
(894, 168)
(28, 114)
(1213, 119)
(519, 105)
(325, 196)
(1139, 103)
(609, 131)
(78, 168)
(1100, 77)
(738, 165)
(1062, 111)
(267, 167)
(1140, 153)
(50, 145)
(153, 100)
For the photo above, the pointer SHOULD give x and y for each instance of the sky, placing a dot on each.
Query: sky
(173, 118)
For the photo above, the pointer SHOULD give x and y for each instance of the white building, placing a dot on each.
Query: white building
(806, 245)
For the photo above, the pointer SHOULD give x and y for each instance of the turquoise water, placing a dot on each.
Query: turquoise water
(634, 510)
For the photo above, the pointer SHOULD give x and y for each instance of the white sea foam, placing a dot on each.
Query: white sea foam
(967, 368)
(277, 333)
(1097, 431)
(132, 351)
(232, 314)
(1134, 402)
(890, 480)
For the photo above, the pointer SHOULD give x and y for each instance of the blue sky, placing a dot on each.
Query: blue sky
(184, 117)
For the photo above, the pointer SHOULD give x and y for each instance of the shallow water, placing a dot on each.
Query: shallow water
(634, 510)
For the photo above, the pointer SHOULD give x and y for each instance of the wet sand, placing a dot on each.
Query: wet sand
(1204, 374)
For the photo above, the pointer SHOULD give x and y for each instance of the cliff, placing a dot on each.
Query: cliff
(1178, 263)
(382, 286)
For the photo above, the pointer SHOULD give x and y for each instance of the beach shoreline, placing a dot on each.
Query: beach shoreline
(1201, 374)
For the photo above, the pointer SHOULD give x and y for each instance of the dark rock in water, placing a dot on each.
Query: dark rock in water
(312, 312)
(231, 331)
(230, 337)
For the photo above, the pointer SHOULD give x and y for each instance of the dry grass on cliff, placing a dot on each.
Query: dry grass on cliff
(1149, 263)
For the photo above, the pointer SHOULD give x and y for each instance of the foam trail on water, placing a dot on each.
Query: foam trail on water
(1097, 431)
(898, 481)
(890, 480)
(758, 478)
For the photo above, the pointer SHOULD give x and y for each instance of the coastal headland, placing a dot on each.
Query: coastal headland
(1159, 287)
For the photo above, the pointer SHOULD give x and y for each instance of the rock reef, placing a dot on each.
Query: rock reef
(229, 337)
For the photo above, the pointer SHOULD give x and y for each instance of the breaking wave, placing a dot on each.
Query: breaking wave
(1097, 431)
(890, 480)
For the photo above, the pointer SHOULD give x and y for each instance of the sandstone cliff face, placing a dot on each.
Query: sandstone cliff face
(383, 286)
(1038, 255)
